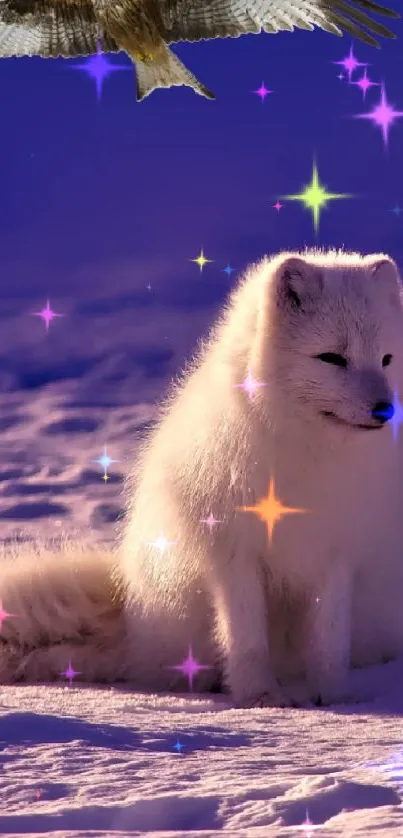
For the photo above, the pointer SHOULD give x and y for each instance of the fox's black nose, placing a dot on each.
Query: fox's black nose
(383, 411)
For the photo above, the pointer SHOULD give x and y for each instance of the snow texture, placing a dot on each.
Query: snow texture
(90, 761)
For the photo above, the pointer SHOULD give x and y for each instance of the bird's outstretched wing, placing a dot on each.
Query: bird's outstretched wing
(50, 28)
(194, 20)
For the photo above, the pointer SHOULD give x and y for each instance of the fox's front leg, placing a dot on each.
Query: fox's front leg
(327, 638)
(243, 635)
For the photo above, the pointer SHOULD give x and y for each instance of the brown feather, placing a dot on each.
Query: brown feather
(193, 20)
(50, 28)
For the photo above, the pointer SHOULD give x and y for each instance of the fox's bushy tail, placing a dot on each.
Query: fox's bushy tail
(62, 608)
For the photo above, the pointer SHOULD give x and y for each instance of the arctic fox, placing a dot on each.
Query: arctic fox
(265, 518)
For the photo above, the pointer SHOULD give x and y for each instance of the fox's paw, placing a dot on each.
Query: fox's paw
(326, 699)
(273, 698)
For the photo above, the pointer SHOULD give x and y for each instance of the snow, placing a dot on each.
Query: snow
(89, 761)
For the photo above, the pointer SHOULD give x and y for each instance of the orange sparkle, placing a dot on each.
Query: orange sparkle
(270, 510)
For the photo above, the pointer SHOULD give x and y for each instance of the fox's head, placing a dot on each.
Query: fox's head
(333, 323)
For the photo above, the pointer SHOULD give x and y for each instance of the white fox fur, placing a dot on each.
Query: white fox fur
(325, 592)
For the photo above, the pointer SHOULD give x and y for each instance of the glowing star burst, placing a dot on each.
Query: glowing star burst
(397, 210)
(250, 385)
(383, 115)
(161, 543)
(270, 510)
(4, 614)
(262, 91)
(277, 206)
(98, 67)
(228, 270)
(201, 260)
(190, 667)
(307, 827)
(397, 417)
(70, 673)
(178, 746)
(47, 314)
(105, 461)
(364, 83)
(315, 197)
(350, 63)
(210, 522)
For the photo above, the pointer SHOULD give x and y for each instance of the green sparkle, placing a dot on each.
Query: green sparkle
(315, 197)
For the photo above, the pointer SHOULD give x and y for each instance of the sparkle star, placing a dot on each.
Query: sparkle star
(277, 206)
(98, 67)
(307, 827)
(364, 83)
(161, 543)
(105, 461)
(228, 270)
(383, 115)
(250, 385)
(70, 673)
(47, 314)
(397, 210)
(201, 260)
(210, 522)
(262, 91)
(397, 417)
(178, 746)
(350, 63)
(4, 614)
(270, 510)
(314, 196)
(190, 667)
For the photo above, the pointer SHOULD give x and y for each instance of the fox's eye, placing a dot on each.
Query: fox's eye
(332, 358)
(386, 360)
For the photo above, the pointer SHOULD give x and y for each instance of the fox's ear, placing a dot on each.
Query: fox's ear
(387, 278)
(384, 268)
(299, 284)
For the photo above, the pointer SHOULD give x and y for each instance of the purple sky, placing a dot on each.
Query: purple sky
(106, 201)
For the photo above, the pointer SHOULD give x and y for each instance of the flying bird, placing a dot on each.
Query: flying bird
(144, 28)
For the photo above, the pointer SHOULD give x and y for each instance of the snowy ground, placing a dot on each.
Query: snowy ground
(95, 761)
(78, 760)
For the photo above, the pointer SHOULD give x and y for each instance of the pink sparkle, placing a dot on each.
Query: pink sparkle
(364, 83)
(262, 91)
(210, 521)
(277, 206)
(383, 115)
(70, 673)
(307, 827)
(4, 614)
(47, 314)
(190, 667)
(350, 63)
(250, 384)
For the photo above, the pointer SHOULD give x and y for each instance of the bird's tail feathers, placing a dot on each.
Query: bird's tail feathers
(165, 71)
